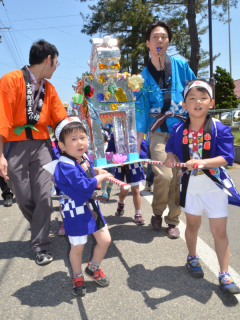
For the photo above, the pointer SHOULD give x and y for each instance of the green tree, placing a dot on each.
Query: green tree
(225, 96)
(128, 19)
(84, 74)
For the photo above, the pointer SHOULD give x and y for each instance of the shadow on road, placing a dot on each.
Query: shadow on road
(54, 289)
(176, 282)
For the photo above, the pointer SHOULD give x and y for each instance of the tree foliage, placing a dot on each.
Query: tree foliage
(84, 74)
(127, 20)
(225, 96)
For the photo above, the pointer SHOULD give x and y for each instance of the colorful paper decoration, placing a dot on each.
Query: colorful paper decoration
(78, 98)
(112, 88)
(114, 106)
(135, 82)
(100, 97)
(104, 66)
(118, 158)
(107, 95)
(120, 95)
(88, 91)
(101, 79)
(124, 75)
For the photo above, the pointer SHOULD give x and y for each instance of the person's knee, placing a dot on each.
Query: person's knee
(77, 250)
(104, 238)
(193, 226)
(135, 192)
(218, 232)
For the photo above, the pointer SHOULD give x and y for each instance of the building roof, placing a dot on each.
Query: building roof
(237, 89)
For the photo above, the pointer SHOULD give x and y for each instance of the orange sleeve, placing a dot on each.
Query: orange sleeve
(57, 111)
(7, 103)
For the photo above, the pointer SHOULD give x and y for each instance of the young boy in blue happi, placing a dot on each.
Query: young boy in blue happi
(205, 141)
(76, 180)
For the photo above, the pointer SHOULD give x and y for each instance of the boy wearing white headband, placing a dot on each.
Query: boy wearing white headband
(75, 181)
(205, 141)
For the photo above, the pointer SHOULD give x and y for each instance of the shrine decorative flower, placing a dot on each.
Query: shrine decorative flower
(109, 156)
(135, 82)
(118, 158)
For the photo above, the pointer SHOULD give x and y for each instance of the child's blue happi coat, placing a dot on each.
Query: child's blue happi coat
(71, 180)
(221, 145)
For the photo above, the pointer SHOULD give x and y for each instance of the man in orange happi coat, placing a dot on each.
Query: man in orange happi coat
(28, 105)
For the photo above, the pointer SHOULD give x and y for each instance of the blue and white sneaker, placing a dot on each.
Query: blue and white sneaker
(227, 284)
(194, 267)
(105, 195)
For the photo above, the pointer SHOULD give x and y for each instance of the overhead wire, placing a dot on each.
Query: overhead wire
(44, 24)
(18, 50)
(8, 46)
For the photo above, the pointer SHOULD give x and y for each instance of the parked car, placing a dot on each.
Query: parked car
(226, 115)
(236, 114)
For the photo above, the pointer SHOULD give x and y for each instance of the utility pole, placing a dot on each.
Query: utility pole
(229, 38)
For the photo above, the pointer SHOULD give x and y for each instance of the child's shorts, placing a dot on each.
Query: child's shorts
(75, 241)
(215, 204)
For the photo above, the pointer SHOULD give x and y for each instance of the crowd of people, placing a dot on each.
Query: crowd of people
(174, 116)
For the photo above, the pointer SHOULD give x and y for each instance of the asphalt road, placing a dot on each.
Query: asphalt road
(149, 279)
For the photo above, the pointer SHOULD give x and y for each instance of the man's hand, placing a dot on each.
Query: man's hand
(169, 160)
(3, 167)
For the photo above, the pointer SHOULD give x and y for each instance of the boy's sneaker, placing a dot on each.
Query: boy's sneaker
(79, 288)
(97, 276)
(149, 187)
(227, 284)
(139, 219)
(194, 267)
(61, 232)
(43, 257)
(105, 195)
(120, 209)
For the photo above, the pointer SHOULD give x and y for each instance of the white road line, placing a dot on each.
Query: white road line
(206, 253)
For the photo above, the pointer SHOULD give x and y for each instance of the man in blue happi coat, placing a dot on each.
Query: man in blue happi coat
(158, 108)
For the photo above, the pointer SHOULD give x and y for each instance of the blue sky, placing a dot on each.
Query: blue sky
(59, 22)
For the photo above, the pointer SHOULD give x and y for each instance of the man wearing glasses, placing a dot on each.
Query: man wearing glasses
(28, 105)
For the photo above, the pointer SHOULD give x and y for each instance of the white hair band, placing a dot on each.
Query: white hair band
(64, 123)
(198, 83)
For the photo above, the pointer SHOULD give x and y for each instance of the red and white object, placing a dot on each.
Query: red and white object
(119, 183)
(175, 164)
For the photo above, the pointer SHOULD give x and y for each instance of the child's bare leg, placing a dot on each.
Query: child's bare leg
(122, 195)
(61, 232)
(136, 197)
(219, 232)
(103, 239)
(137, 204)
(94, 271)
(191, 232)
(75, 257)
(121, 203)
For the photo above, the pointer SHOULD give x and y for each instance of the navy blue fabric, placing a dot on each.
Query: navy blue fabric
(72, 180)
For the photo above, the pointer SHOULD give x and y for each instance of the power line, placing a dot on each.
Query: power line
(74, 25)
(71, 15)
(18, 50)
(10, 52)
